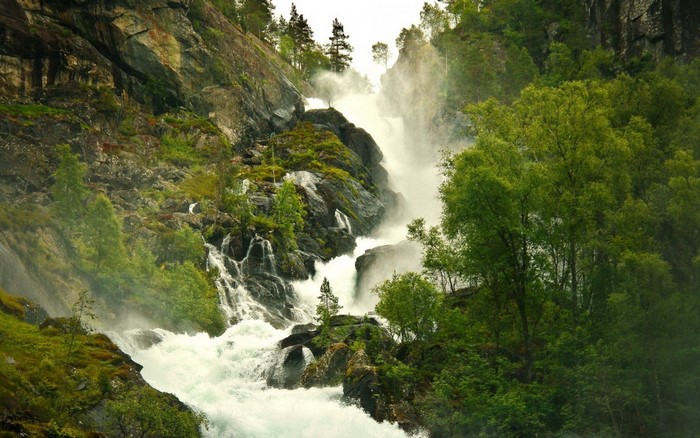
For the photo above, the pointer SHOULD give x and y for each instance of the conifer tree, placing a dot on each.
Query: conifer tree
(301, 35)
(256, 17)
(103, 236)
(328, 303)
(68, 190)
(339, 50)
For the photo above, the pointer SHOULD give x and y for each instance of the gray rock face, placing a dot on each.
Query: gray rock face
(287, 372)
(380, 263)
(150, 53)
(356, 139)
(329, 370)
(634, 27)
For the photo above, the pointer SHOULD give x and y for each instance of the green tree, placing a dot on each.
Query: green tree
(380, 53)
(301, 36)
(326, 308)
(440, 260)
(191, 300)
(410, 40)
(148, 414)
(288, 212)
(434, 20)
(69, 190)
(256, 17)
(410, 304)
(327, 304)
(103, 240)
(339, 49)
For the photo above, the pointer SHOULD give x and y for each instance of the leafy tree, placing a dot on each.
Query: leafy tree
(440, 260)
(410, 40)
(411, 304)
(380, 53)
(183, 245)
(69, 190)
(339, 49)
(434, 20)
(192, 299)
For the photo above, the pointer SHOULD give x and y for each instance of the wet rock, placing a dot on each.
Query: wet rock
(380, 263)
(329, 370)
(361, 384)
(287, 372)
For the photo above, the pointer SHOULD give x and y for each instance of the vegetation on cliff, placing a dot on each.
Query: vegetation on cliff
(71, 383)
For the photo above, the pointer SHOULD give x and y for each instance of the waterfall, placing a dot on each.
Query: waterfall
(343, 221)
(227, 377)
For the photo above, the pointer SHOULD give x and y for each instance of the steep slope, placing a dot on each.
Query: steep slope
(71, 383)
(634, 27)
(163, 53)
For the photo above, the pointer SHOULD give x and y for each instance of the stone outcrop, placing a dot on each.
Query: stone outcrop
(361, 143)
(634, 27)
(152, 53)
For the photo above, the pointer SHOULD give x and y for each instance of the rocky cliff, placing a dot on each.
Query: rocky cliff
(188, 126)
(634, 27)
(162, 53)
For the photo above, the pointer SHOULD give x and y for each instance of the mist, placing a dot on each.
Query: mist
(406, 120)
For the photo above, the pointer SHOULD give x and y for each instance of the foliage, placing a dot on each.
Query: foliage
(410, 304)
(102, 239)
(192, 299)
(32, 111)
(380, 53)
(326, 308)
(568, 263)
(69, 190)
(288, 213)
(38, 393)
(179, 151)
(339, 49)
(146, 413)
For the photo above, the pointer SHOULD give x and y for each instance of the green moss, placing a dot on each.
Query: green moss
(308, 148)
(45, 394)
(179, 151)
(32, 110)
(264, 172)
(200, 187)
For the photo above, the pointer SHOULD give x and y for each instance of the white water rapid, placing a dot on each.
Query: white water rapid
(226, 377)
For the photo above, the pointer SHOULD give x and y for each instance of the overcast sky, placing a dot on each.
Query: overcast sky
(365, 22)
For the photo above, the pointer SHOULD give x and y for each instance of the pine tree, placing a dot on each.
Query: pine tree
(256, 17)
(328, 304)
(339, 49)
(302, 36)
(69, 190)
(103, 237)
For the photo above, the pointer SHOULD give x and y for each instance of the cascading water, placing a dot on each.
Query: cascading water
(227, 377)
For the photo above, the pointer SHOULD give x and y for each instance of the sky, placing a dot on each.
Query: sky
(365, 21)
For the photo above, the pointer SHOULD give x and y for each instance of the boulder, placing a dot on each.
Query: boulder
(361, 385)
(288, 370)
(380, 263)
(356, 139)
(329, 370)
